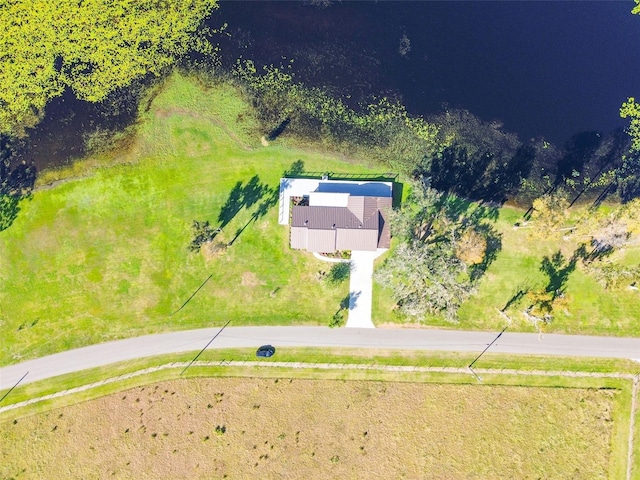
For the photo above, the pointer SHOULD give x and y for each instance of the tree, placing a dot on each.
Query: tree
(471, 247)
(614, 234)
(549, 211)
(425, 279)
(627, 176)
(419, 213)
(339, 272)
(92, 46)
(630, 109)
(442, 235)
(612, 275)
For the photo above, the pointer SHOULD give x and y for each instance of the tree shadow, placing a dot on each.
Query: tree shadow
(8, 210)
(611, 149)
(17, 179)
(494, 246)
(242, 196)
(296, 169)
(602, 247)
(521, 292)
(461, 211)
(353, 299)
(231, 206)
(627, 179)
(482, 176)
(269, 198)
(276, 132)
(579, 149)
(598, 252)
(558, 269)
(254, 192)
(397, 190)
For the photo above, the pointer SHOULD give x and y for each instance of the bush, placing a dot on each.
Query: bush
(339, 273)
(203, 233)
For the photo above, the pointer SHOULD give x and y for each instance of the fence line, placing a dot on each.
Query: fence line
(318, 366)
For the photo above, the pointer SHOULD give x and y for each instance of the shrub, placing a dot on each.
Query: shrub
(339, 273)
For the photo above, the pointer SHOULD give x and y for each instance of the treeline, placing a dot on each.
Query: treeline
(92, 60)
(381, 129)
(93, 48)
(102, 52)
(455, 150)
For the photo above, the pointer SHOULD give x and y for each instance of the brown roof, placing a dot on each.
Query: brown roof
(323, 218)
(359, 226)
(384, 206)
(356, 239)
(299, 237)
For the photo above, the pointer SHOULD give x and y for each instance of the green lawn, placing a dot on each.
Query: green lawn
(106, 256)
(104, 253)
(587, 308)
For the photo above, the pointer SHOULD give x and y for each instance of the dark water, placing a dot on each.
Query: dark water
(547, 68)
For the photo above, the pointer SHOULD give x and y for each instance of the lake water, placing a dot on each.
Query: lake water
(545, 68)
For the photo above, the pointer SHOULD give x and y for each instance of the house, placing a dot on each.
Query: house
(332, 215)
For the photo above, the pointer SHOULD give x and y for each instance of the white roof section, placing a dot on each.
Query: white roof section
(299, 187)
(325, 199)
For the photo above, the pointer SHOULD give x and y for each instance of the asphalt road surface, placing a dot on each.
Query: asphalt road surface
(405, 339)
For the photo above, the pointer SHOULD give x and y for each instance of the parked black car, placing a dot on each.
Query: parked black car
(266, 351)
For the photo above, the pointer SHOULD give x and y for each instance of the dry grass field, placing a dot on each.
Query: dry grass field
(292, 428)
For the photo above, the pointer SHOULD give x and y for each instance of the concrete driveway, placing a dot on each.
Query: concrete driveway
(360, 288)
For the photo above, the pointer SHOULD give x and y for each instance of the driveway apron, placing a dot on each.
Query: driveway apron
(360, 286)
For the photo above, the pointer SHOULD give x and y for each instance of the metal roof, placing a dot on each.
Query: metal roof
(322, 241)
(359, 226)
(356, 239)
(299, 237)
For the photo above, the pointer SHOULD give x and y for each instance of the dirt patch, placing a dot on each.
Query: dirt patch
(284, 428)
(213, 249)
(250, 279)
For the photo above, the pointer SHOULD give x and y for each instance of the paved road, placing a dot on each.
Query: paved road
(409, 339)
